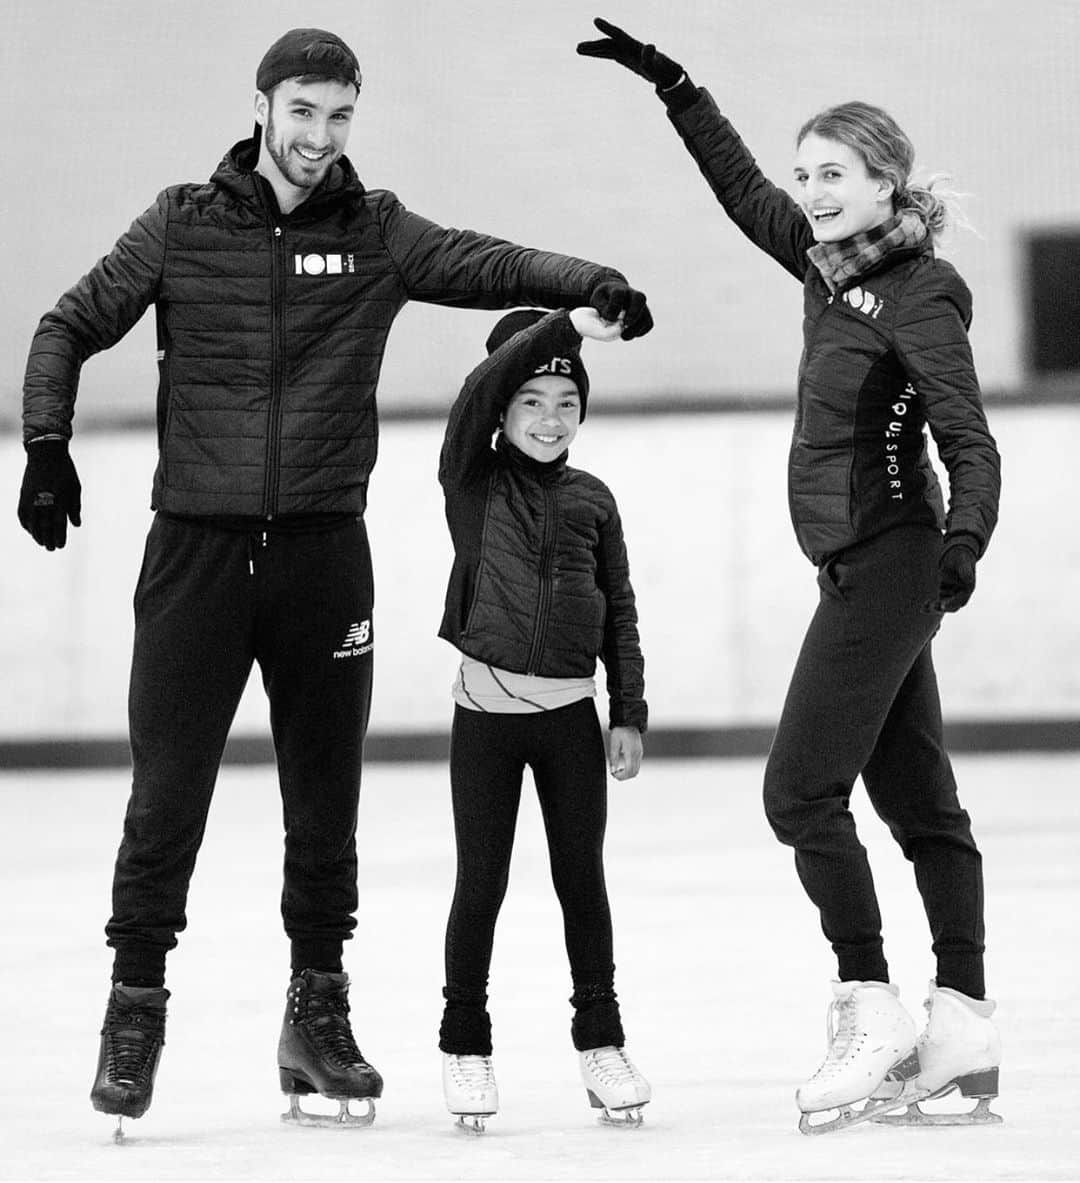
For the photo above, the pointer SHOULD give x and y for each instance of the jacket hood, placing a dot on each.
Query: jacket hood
(237, 170)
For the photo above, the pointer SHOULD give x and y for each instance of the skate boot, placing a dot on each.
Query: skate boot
(318, 1054)
(959, 1050)
(471, 1093)
(614, 1085)
(131, 1041)
(870, 1039)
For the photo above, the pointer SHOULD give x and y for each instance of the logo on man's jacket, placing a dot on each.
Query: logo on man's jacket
(863, 301)
(325, 264)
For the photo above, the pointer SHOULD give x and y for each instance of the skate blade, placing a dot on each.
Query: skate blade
(343, 1119)
(624, 1119)
(915, 1115)
(628, 1117)
(848, 1115)
(472, 1123)
(118, 1133)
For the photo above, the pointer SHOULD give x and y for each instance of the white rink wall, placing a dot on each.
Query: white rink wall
(723, 592)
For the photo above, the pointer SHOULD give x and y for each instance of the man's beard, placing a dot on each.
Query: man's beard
(290, 169)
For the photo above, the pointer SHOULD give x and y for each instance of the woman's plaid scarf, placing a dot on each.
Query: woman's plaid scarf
(840, 261)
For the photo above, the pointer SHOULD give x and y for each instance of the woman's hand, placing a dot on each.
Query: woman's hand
(645, 60)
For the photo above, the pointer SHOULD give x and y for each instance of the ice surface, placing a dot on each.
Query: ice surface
(721, 970)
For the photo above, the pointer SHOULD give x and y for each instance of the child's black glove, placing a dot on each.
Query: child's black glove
(50, 494)
(957, 573)
(612, 300)
(645, 60)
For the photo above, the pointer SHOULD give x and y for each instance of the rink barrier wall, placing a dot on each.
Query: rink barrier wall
(1044, 391)
(667, 743)
(1020, 697)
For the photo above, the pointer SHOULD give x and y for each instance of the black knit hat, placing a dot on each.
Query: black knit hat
(565, 365)
(301, 52)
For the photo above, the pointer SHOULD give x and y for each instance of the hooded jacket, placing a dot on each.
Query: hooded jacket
(540, 582)
(271, 330)
(883, 357)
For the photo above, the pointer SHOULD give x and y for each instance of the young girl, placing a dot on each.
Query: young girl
(539, 589)
(885, 353)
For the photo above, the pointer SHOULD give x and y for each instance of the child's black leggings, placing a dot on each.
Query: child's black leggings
(488, 755)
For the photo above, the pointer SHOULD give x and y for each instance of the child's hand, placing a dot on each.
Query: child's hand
(589, 323)
(624, 752)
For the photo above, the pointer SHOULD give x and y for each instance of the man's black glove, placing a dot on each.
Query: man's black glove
(50, 494)
(645, 60)
(957, 573)
(614, 299)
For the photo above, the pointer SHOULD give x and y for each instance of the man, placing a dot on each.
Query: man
(275, 286)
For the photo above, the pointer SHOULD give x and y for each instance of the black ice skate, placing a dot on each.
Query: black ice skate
(131, 1041)
(318, 1054)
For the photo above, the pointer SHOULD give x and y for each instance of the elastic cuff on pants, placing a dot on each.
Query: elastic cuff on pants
(465, 1031)
(139, 966)
(963, 973)
(324, 956)
(597, 1025)
(865, 966)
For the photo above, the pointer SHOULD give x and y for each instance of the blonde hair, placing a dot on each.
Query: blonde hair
(888, 155)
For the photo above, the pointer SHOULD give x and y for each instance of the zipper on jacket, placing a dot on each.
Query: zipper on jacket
(277, 371)
(543, 607)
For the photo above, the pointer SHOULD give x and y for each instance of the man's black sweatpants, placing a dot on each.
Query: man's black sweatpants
(863, 699)
(209, 603)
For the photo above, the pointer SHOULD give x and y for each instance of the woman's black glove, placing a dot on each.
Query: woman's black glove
(957, 573)
(645, 60)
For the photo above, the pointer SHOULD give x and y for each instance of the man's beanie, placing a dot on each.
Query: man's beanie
(567, 365)
(302, 52)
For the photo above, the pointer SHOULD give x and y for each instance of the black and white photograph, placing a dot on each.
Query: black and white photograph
(539, 627)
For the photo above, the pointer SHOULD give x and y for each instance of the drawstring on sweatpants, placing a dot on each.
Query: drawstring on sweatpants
(251, 551)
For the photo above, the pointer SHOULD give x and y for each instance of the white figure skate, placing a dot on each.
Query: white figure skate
(614, 1085)
(870, 1039)
(470, 1091)
(959, 1050)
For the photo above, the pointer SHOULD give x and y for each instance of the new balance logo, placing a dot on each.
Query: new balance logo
(357, 640)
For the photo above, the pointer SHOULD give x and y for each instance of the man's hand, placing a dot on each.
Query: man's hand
(645, 60)
(619, 301)
(51, 494)
(589, 323)
(624, 752)
(957, 573)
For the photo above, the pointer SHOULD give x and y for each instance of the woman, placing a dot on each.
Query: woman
(885, 354)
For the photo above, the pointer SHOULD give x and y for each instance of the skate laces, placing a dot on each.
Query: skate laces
(326, 1019)
(472, 1073)
(841, 1034)
(133, 1032)
(611, 1066)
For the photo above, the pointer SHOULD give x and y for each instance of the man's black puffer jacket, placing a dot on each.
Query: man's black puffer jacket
(271, 330)
(884, 357)
(540, 582)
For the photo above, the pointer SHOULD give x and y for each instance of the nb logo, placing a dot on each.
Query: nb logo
(357, 640)
(357, 634)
